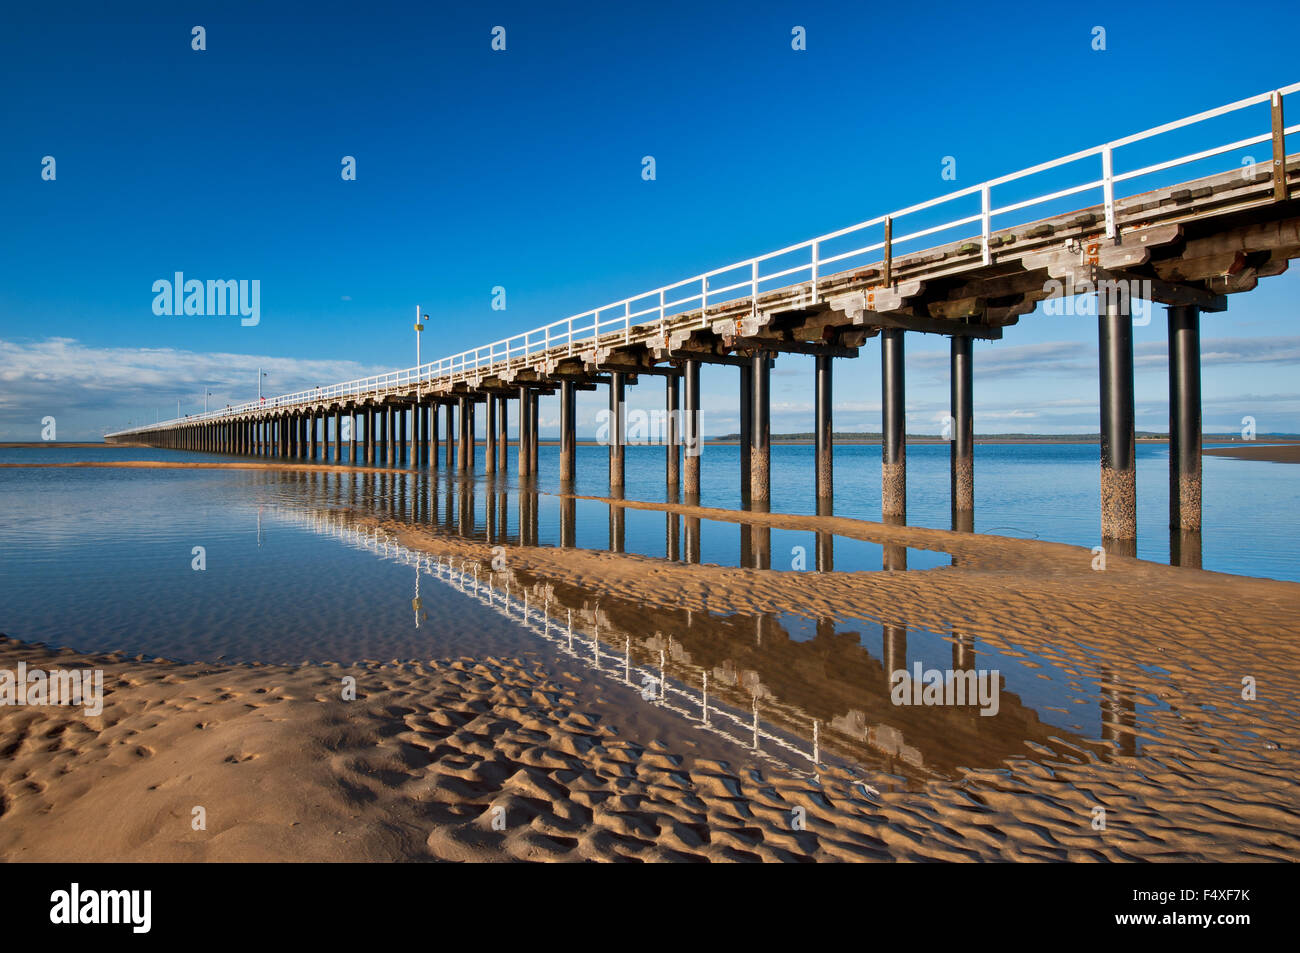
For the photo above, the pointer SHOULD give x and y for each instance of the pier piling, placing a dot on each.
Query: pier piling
(893, 447)
(672, 468)
(1118, 475)
(1185, 418)
(961, 449)
(568, 435)
(616, 434)
(691, 464)
(823, 412)
(760, 453)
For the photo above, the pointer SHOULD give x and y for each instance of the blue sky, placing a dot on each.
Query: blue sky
(522, 169)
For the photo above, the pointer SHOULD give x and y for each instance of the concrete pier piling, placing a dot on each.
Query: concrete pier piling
(392, 445)
(503, 433)
(402, 443)
(1185, 418)
(490, 437)
(760, 434)
(961, 447)
(532, 432)
(672, 465)
(568, 431)
(434, 442)
(462, 434)
(470, 434)
(420, 435)
(1118, 472)
(617, 435)
(525, 429)
(450, 436)
(822, 412)
(691, 426)
(893, 448)
(746, 429)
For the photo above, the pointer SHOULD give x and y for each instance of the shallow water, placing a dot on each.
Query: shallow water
(106, 560)
(1034, 491)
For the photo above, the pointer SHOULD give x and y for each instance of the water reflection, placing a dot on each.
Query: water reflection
(1185, 548)
(501, 513)
(823, 682)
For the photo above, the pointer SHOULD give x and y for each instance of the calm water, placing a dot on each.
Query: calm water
(103, 559)
(1251, 509)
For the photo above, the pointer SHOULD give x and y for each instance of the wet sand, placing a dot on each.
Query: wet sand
(1280, 453)
(1189, 770)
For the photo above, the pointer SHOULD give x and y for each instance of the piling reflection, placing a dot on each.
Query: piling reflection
(963, 521)
(822, 685)
(1119, 547)
(617, 528)
(568, 522)
(895, 556)
(693, 533)
(825, 548)
(761, 540)
(1185, 548)
(1118, 714)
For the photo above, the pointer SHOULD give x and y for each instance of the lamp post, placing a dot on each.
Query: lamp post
(260, 374)
(418, 328)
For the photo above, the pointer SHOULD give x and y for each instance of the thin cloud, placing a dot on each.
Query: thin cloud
(90, 390)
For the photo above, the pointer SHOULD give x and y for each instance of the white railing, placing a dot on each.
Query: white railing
(747, 278)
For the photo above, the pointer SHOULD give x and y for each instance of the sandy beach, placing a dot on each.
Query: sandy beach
(1277, 453)
(414, 768)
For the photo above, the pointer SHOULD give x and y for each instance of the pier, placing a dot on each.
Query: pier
(1188, 246)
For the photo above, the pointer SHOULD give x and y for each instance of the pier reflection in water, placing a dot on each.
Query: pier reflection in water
(818, 689)
(511, 515)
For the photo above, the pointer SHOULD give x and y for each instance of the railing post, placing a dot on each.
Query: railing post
(1108, 188)
(1279, 150)
(984, 217)
(816, 263)
(888, 267)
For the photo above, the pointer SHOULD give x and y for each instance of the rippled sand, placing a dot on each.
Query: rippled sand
(418, 766)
